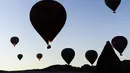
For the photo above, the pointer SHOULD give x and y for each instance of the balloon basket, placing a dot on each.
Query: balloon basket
(121, 54)
(49, 46)
(114, 12)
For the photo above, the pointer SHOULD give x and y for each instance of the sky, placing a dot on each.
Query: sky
(89, 24)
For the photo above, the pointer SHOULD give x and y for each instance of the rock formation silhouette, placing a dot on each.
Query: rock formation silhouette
(108, 61)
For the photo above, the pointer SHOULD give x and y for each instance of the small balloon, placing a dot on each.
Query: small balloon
(14, 40)
(68, 55)
(20, 56)
(119, 43)
(113, 4)
(39, 56)
(91, 56)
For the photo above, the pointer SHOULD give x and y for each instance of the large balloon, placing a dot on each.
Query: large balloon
(119, 43)
(20, 56)
(14, 40)
(91, 56)
(48, 18)
(113, 4)
(68, 55)
(39, 56)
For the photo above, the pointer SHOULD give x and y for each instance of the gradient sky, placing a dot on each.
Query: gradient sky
(90, 23)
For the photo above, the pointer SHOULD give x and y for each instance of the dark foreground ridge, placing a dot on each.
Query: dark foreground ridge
(108, 62)
(69, 68)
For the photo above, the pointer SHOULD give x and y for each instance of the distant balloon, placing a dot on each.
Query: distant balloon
(68, 55)
(91, 56)
(20, 56)
(113, 4)
(119, 43)
(14, 40)
(39, 56)
(48, 18)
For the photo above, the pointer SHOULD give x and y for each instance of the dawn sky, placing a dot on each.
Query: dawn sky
(89, 24)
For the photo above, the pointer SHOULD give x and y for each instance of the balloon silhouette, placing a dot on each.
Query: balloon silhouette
(113, 4)
(48, 18)
(119, 43)
(68, 55)
(91, 56)
(14, 40)
(39, 56)
(20, 56)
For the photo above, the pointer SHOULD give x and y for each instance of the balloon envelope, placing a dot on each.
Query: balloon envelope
(91, 56)
(119, 43)
(39, 56)
(20, 56)
(14, 40)
(113, 4)
(48, 18)
(68, 55)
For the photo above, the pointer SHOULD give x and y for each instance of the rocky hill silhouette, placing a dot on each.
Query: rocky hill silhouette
(66, 68)
(56, 68)
(69, 68)
(108, 62)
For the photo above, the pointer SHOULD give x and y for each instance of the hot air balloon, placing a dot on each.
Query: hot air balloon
(113, 4)
(20, 56)
(14, 40)
(91, 56)
(68, 55)
(39, 56)
(119, 43)
(48, 18)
